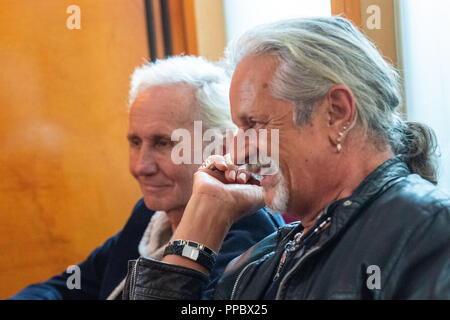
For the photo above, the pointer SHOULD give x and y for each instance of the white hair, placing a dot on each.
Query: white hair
(316, 54)
(280, 200)
(210, 81)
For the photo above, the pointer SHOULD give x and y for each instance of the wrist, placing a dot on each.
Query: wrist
(206, 220)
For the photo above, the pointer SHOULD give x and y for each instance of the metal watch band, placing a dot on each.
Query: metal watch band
(195, 245)
(194, 251)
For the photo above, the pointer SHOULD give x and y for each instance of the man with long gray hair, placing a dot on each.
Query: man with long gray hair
(361, 180)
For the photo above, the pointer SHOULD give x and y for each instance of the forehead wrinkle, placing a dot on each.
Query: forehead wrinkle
(166, 107)
(247, 97)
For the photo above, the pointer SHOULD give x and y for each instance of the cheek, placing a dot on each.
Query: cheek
(180, 175)
(185, 182)
(186, 176)
(132, 159)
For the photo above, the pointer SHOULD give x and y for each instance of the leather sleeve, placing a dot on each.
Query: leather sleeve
(150, 279)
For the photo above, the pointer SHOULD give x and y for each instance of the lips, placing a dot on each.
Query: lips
(154, 187)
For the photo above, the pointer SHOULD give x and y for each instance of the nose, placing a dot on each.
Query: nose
(244, 148)
(145, 162)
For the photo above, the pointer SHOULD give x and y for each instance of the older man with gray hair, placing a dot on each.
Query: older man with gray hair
(165, 96)
(361, 180)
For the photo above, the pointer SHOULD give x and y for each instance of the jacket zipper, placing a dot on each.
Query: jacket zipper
(280, 265)
(133, 280)
(287, 250)
(282, 261)
(283, 281)
(239, 278)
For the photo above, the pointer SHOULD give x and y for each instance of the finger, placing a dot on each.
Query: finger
(219, 175)
(220, 168)
(242, 176)
(207, 174)
(230, 175)
(228, 159)
(214, 162)
(219, 162)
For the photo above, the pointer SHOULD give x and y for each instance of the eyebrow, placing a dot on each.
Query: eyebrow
(153, 137)
(132, 136)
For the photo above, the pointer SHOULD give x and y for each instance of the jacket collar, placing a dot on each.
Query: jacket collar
(374, 184)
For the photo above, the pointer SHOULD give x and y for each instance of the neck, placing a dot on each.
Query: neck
(350, 168)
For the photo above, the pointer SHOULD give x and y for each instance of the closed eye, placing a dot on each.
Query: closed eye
(134, 141)
(252, 123)
(162, 142)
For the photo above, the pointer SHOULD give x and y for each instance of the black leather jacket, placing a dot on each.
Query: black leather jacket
(389, 240)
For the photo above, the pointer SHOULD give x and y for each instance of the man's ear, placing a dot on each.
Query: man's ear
(341, 113)
(341, 109)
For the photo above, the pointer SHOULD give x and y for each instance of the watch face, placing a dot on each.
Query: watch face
(190, 252)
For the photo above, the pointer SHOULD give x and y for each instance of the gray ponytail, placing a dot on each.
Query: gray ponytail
(418, 145)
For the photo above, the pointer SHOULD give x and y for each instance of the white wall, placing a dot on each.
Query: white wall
(241, 15)
(425, 59)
